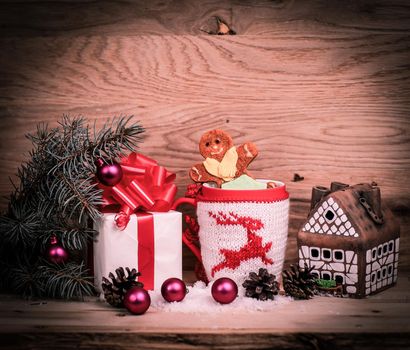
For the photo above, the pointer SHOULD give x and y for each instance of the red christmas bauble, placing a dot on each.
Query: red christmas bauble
(224, 290)
(109, 174)
(137, 300)
(56, 253)
(173, 289)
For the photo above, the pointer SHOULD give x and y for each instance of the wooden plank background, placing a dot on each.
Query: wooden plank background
(321, 87)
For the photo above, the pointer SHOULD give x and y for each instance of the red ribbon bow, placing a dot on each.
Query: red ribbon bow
(145, 185)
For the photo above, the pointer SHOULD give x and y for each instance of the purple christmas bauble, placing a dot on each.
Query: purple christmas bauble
(173, 289)
(109, 174)
(57, 254)
(137, 300)
(224, 290)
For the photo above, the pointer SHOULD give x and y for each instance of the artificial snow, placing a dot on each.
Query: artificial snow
(199, 300)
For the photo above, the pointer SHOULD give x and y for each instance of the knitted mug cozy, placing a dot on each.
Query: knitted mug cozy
(241, 230)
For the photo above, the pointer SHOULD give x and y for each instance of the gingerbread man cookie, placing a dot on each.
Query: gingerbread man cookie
(223, 161)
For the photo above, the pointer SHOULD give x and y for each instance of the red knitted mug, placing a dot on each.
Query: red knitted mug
(240, 230)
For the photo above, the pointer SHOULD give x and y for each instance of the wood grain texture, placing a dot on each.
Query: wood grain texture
(160, 341)
(248, 17)
(323, 90)
(378, 322)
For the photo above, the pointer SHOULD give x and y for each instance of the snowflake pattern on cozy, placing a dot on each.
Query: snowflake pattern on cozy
(239, 237)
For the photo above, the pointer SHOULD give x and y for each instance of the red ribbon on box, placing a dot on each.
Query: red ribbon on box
(144, 186)
(146, 249)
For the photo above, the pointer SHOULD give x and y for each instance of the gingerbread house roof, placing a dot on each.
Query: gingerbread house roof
(355, 212)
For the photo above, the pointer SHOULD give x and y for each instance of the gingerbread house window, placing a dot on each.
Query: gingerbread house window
(330, 216)
(326, 275)
(314, 253)
(326, 254)
(338, 255)
(380, 251)
(373, 277)
(339, 278)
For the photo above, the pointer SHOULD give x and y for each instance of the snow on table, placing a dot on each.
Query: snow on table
(199, 300)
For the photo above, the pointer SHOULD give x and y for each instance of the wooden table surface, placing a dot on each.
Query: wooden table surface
(380, 321)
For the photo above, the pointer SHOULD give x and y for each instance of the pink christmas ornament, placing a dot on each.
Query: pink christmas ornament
(56, 253)
(173, 289)
(137, 300)
(108, 174)
(224, 290)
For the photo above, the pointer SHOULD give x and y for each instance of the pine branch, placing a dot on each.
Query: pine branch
(70, 237)
(20, 226)
(67, 282)
(75, 161)
(55, 192)
(115, 138)
(76, 197)
(71, 147)
(70, 281)
(21, 278)
(33, 172)
(112, 141)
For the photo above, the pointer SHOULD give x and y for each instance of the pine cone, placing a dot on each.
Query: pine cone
(261, 286)
(115, 290)
(299, 282)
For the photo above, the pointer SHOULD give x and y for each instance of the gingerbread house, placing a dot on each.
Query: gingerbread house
(351, 237)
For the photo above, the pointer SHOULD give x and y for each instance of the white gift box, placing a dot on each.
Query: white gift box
(115, 248)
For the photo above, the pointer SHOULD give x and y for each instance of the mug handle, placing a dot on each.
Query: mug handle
(194, 249)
